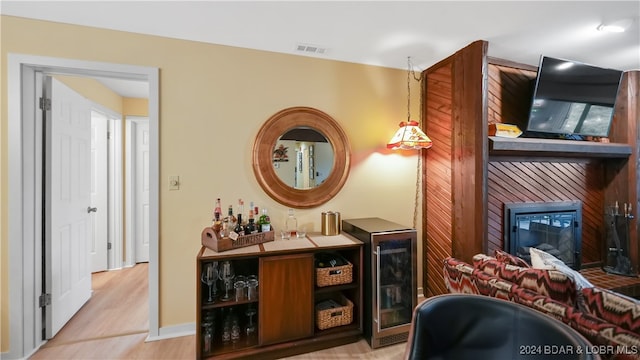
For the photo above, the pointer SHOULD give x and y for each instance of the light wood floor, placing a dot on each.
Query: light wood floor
(114, 324)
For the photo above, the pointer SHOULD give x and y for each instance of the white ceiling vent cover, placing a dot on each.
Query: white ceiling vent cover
(310, 49)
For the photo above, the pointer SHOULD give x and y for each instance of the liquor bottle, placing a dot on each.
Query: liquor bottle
(240, 209)
(251, 227)
(232, 217)
(217, 212)
(291, 230)
(217, 217)
(225, 229)
(239, 229)
(230, 220)
(264, 222)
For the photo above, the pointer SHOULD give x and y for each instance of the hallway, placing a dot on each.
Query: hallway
(114, 323)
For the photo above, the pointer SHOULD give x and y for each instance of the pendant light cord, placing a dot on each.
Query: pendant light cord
(408, 89)
(416, 200)
(411, 72)
(417, 197)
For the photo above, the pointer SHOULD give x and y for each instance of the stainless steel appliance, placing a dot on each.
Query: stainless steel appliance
(390, 278)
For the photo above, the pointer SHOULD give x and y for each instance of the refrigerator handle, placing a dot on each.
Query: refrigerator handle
(378, 284)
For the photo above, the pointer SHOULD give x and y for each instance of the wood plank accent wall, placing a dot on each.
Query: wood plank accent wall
(623, 177)
(510, 91)
(470, 150)
(465, 188)
(454, 173)
(437, 175)
(524, 181)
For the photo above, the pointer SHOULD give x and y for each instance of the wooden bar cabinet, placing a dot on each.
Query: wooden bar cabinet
(280, 320)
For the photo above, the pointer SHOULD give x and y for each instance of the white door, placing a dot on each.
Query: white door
(67, 200)
(141, 188)
(99, 183)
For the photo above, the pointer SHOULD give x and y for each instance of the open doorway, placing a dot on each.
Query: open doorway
(26, 161)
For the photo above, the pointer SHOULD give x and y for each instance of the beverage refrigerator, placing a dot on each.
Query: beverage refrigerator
(389, 278)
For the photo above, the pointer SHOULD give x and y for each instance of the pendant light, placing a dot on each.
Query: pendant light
(409, 136)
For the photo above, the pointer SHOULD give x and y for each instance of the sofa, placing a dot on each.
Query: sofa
(610, 321)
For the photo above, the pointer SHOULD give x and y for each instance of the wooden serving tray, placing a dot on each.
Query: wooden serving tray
(211, 239)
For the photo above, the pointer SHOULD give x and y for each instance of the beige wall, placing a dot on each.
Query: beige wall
(212, 101)
(95, 91)
(135, 107)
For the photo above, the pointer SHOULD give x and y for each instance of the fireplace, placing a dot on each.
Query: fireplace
(554, 227)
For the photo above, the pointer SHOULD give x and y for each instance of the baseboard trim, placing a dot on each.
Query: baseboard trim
(12, 356)
(174, 331)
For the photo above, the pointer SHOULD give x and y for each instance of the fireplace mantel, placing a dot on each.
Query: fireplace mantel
(556, 148)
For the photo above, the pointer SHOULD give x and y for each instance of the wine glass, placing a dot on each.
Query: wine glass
(218, 277)
(251, 328)
(227, 274)
(209, 277)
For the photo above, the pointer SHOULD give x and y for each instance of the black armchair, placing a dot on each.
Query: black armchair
(463, 326)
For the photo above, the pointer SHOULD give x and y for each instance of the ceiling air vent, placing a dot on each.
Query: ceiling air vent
(310, 49)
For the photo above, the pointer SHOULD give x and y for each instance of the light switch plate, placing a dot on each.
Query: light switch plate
(174, 182)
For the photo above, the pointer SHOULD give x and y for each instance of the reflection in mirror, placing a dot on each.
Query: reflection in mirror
(310, 161)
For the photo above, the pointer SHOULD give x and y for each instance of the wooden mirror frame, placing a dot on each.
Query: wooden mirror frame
(265, 143)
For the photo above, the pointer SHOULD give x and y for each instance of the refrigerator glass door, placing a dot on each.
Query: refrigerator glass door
(394, 277)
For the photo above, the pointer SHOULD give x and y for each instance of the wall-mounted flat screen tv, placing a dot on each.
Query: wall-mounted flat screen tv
(572, 99)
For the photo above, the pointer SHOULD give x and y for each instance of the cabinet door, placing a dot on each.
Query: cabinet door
(286, 298)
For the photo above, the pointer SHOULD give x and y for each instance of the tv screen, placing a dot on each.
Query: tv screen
(572, 98)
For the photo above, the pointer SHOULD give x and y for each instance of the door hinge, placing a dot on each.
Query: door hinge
(108, 246)
(108, 135)
(45, 104)
(45, 299)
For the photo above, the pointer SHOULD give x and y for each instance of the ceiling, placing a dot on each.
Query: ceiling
(381, 33)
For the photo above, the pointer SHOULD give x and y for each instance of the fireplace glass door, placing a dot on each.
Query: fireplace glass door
(554, 227)
(553, 233)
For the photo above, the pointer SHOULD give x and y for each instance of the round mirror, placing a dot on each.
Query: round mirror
(301, 157)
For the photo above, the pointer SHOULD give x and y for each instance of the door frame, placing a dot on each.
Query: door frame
(130, 224)
(116, 209)
(25, 191)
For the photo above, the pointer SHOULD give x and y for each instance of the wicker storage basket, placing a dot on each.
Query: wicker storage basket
(336, 275)
(331, 313)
